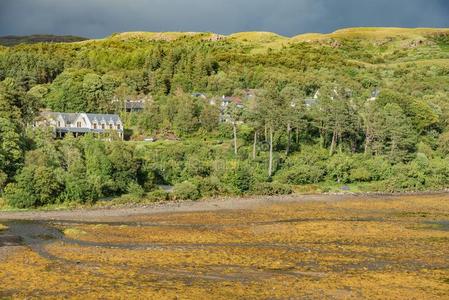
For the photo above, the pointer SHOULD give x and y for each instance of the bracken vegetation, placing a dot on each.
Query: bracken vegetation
(282, 139)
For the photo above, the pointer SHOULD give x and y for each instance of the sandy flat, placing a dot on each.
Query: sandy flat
(90, 214)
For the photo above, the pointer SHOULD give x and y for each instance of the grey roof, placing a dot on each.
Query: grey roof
(134, 104)
(104, 118)
(68, 118)
(71, 117)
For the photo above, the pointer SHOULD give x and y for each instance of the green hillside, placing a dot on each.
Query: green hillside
(363, 108)
(14, 40)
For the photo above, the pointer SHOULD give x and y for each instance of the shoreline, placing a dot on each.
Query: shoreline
(211, 204)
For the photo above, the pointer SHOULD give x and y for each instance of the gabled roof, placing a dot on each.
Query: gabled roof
(68, 118)
(104, 118)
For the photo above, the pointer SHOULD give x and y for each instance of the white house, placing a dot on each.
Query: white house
(81, 123)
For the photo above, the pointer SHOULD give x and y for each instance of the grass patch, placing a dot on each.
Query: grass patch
(259, 37)
(74, 232)
(3, 204)
(158, 36)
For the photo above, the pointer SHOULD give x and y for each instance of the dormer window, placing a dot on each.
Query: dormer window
(111, 126)
(118, 127)
(103, 126)
(59, 123)
(78, 124)
(95, 125)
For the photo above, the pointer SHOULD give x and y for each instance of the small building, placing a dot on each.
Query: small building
(225, 101)
(225, 114)
(134, 105)
(81, 124)
(131, 104)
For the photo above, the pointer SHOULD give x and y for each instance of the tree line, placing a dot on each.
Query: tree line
(281, 138)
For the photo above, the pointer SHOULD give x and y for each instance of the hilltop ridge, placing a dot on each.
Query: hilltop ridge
(269, 37)
(13, 40)
(260, 37)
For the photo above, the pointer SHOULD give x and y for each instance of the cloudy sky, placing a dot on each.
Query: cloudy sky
(98, 18)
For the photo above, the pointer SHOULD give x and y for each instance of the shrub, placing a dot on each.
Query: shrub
(360, 174)
(186, 191)
(211, 186)
(379, 167)
(135, 190)
(339, 168)
(302, 174)
(439, 178)
(239, 177)
(443, 143)
(307, 167)
(196, 167)
(225, 131)
(425, 149)
(407, 177)
(157, 196)
(18, 197)
(35, 186)
(3, 179)
(271, 188)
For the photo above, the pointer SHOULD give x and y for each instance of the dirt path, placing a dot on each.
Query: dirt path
(91, 214)
(98, 214)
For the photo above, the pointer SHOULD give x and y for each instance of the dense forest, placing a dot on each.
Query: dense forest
(359, 110)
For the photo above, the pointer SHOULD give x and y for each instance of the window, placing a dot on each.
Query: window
(78, 124)
(111, 126)
(95, 125)
(118, 126)
(59, 123)
(103, 126)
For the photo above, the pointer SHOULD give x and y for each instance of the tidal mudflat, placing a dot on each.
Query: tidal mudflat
(331, 247)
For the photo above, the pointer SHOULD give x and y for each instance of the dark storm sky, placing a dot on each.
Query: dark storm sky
(98, 18)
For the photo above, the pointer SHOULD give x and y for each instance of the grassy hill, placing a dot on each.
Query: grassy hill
(374, 33)
(397, 141)
(361, 33)
(163, 36)
(369, 34)
(12, 40)
(388, 38)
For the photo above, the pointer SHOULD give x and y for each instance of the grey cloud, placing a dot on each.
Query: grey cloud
(97, 18)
